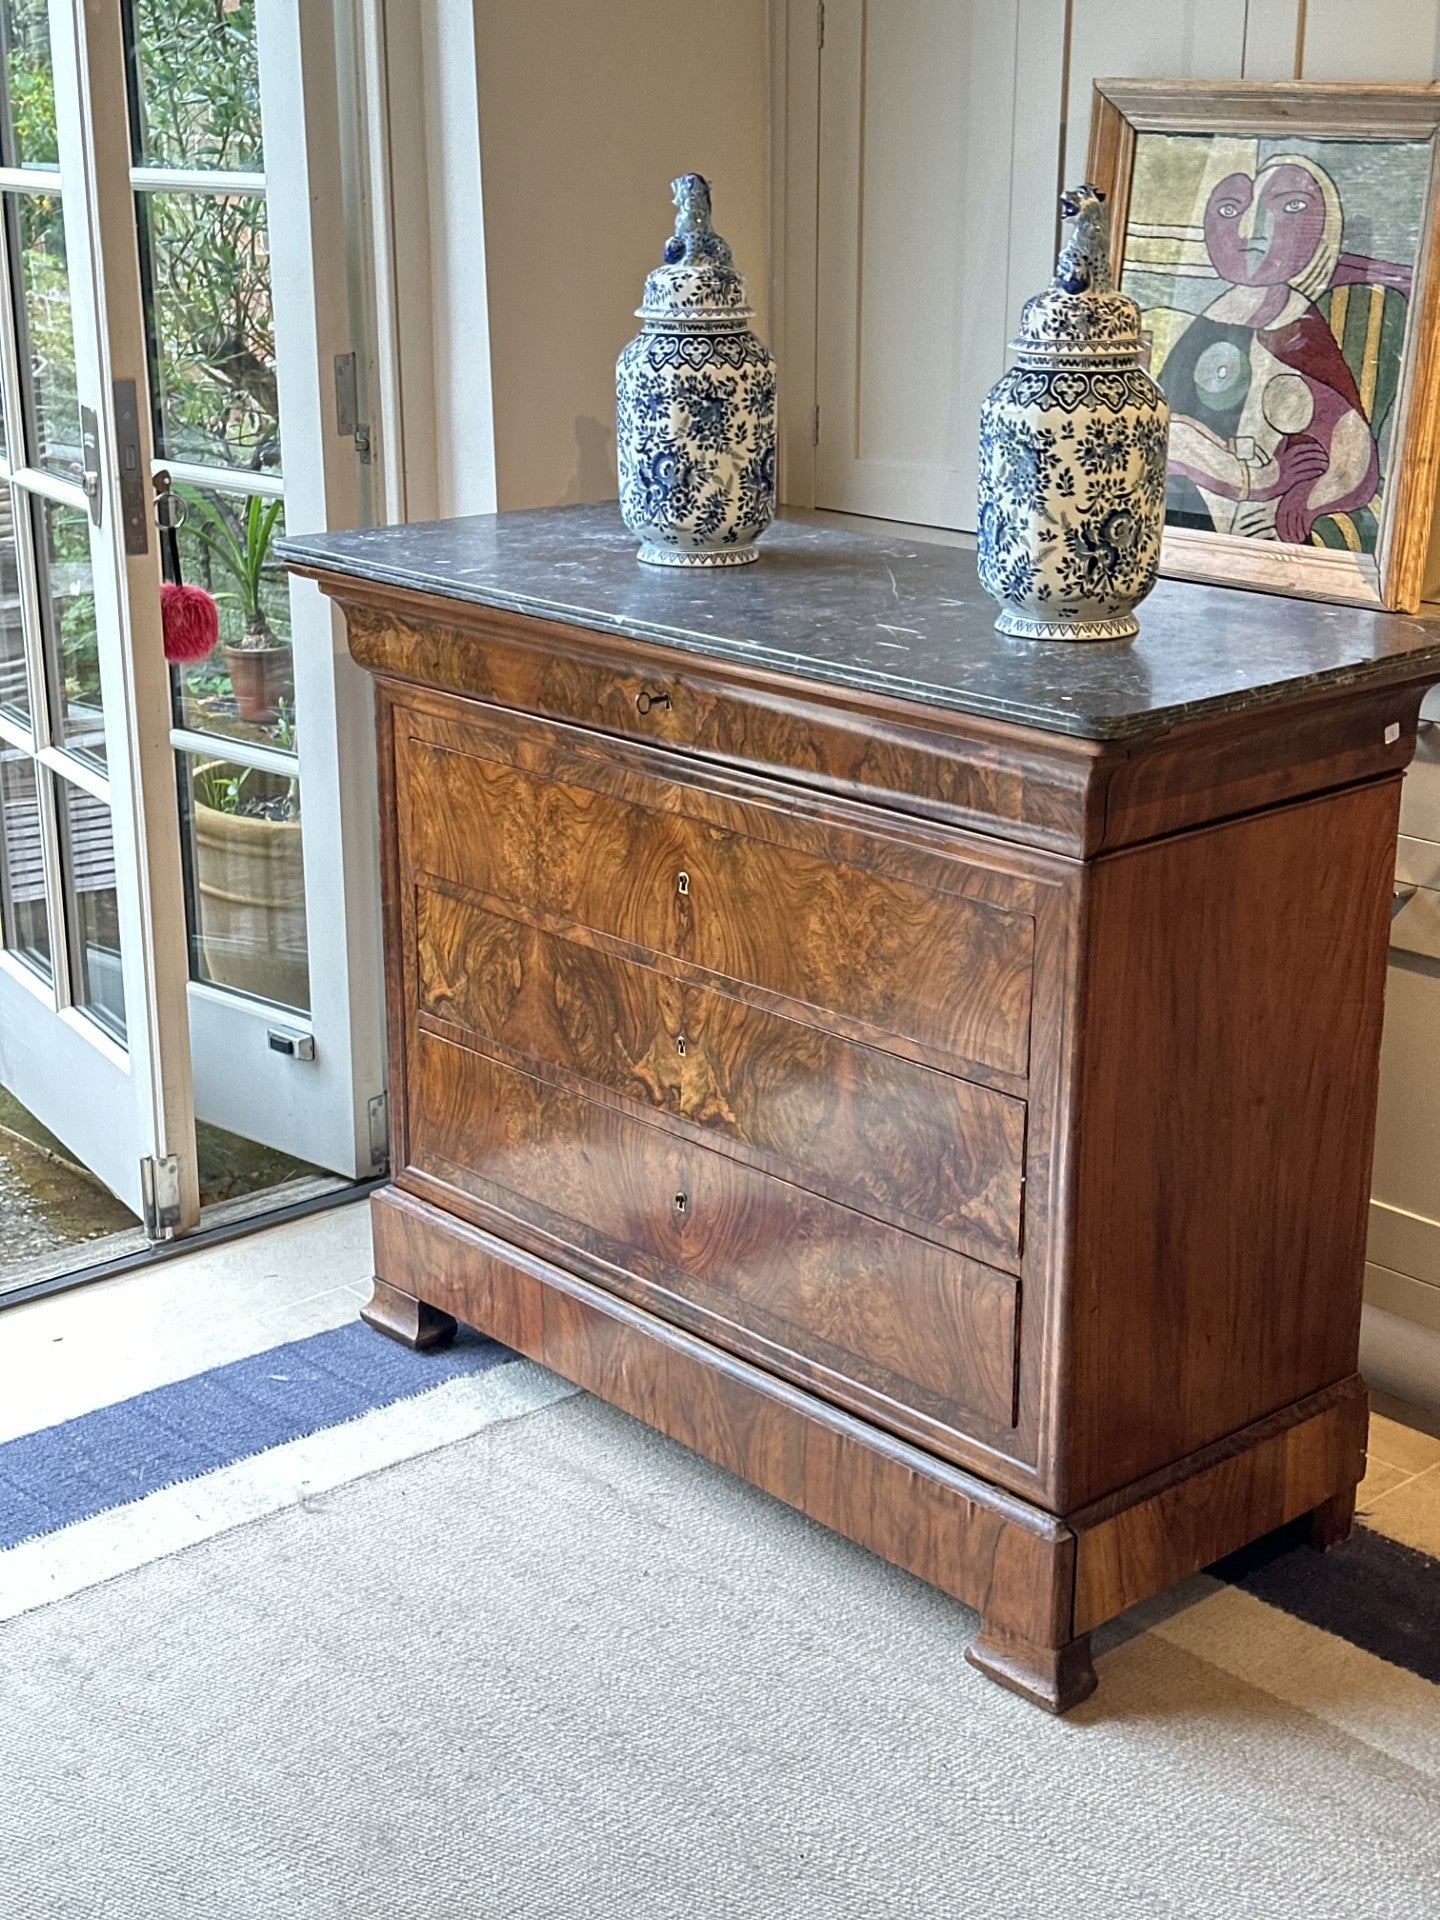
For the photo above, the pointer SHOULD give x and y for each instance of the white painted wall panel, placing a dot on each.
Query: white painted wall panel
(1203, 39)
(1381, 40)
(945, 132)
(942, 129)
(586, 113)
(1272, 40)
(916, 226)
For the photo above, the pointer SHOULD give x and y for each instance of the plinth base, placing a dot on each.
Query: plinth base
(1026, 626)
(653, 556)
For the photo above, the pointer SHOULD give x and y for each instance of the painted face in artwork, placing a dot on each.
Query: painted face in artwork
(1263, 232)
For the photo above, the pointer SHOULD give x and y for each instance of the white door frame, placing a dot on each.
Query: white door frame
(114, 1106)
(413, 203)
(419, 239)
(796, 34)
(329, 1108)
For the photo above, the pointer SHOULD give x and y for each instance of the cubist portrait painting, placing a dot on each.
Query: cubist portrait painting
(1275, 276)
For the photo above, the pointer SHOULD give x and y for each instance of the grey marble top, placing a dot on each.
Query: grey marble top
(896, 616)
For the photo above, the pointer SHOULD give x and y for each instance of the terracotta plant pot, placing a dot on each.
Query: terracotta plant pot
(250, 878)
(258, 676)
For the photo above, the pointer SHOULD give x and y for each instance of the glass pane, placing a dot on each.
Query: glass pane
(246, 878)
(195, 84)
(14, 690)
(27, 132)
(88, 855)
(244, 688)
(68, 624)
(47, 335)
(210, 318)
(22, 862)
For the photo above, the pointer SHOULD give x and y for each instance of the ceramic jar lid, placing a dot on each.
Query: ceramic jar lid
(1081, 316)
(697, 281)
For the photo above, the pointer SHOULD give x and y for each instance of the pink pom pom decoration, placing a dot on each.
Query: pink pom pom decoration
(191, 620)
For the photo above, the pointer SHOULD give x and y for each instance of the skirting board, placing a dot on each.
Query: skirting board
(1399, 1355)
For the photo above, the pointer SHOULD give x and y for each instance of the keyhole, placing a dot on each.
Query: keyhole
(682, 1203)
(680, 1045)
(682, 883)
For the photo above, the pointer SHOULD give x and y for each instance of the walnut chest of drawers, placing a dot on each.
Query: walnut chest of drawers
(940, 1090)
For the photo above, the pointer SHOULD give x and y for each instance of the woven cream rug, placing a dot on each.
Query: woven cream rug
(564, 1668)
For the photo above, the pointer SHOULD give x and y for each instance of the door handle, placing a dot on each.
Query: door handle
(90, 458)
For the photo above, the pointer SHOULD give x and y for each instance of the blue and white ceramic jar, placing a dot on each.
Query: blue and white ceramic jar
(1073, 443)
(695, 405)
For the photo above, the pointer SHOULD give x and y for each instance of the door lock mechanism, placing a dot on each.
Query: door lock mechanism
(296, 1046)
(90, 458)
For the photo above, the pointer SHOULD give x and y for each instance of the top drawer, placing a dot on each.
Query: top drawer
(890, 940)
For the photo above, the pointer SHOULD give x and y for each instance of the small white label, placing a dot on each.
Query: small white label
(1392, 733)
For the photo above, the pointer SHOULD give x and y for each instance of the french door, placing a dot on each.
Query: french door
(187, 899)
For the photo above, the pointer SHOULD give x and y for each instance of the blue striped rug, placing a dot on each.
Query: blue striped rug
(118, 1454)
(1376, 1592)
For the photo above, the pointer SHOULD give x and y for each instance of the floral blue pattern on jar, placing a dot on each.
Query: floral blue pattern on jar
(695, 404)
(1073, 444)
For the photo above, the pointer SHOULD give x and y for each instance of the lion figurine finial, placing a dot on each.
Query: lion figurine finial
(1084, 262)
(694, 239)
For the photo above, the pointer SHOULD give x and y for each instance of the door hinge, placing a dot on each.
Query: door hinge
(160, 1195)
(379, 1111)
(820, 25)
(815, 429)
(347, 406)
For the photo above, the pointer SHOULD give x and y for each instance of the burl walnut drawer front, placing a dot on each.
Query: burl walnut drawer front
(809, 913)
(817, 1291)
(871, 1129)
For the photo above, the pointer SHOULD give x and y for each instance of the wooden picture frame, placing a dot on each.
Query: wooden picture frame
(1259, 172)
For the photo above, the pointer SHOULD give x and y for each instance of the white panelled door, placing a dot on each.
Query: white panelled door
(188, 896)
(93, 1035)
(935, 198)
(944, 134)
(276, 775)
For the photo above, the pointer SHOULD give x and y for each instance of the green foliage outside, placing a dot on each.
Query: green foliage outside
(206, 254)
(242, 550)
(199, 107)
(32, 87)
(63, 540)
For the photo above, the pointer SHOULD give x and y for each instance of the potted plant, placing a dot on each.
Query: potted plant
(250, 877)
(258, 661)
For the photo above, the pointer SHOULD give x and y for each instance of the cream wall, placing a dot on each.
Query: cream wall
(586, 114)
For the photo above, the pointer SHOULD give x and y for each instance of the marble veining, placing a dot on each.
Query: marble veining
(896, 616)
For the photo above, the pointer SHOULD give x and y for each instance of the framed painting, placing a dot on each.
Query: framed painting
(1280, 239)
